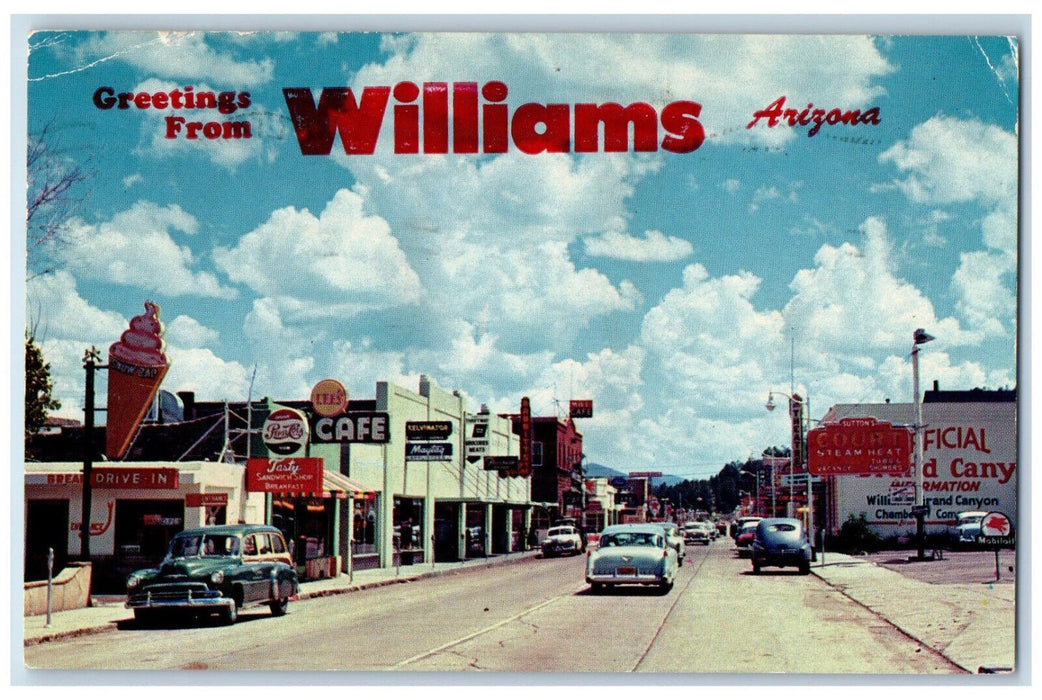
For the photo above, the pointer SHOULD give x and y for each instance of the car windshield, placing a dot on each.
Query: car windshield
(204, 546)
(631, 539)
(557, 531)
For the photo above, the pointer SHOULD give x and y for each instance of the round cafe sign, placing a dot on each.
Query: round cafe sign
(285, 431)
(329, 398)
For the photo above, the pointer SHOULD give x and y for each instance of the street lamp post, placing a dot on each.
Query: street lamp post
(919, 337)
(756, 496)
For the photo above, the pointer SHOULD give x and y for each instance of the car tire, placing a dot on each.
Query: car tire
(145, 617)
(278, 607)
(230, 614)
(756, 568)
(596, 587)
(805, 568)
(665, 586)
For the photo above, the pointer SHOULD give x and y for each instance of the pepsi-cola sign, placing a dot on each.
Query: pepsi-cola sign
(285, 431)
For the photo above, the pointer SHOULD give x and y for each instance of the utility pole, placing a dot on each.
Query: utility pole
(91, 358)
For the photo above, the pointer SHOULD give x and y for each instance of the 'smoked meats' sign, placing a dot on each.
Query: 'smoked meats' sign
(285, 475)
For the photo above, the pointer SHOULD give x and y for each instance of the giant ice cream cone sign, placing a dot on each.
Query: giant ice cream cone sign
(137, 366)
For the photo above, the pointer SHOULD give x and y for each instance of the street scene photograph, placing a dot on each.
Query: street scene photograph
(356, 351)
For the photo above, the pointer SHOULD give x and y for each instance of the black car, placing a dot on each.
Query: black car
(217, 569)
(781, 542)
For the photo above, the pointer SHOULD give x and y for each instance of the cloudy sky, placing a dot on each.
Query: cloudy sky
(675, 290)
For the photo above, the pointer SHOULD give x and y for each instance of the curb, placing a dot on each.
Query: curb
(842, 591)
(320, 593)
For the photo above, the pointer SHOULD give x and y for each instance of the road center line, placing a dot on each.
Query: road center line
(482, 631)
(669, 612)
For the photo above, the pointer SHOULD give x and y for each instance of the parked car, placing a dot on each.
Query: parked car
(781, 542)
(736, 524)
(964, 533)
(632, 554)
(563, 539)
(674, 537)
(697, 533)
(217, 569)
(746, 534)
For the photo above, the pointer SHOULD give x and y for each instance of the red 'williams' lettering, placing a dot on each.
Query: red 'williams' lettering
(481, 121)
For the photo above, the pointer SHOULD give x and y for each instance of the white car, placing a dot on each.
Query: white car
(674, 537)
(632, 554)
(697, 533)
(562, 539)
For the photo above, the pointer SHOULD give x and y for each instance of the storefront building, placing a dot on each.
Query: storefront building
(970, 462)
(381, 497)
(135, 509)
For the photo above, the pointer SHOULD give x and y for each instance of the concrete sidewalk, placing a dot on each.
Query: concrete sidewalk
(973, 625)
(108, 611)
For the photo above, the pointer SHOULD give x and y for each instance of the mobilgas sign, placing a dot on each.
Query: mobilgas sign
(351, 427)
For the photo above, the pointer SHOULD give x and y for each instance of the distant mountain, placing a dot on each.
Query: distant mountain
(594, 470)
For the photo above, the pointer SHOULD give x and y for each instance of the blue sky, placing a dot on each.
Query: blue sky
(675, 290)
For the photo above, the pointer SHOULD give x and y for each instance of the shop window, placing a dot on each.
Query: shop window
(145, 528)
(365, 526)
(408, 523)
(537, 454)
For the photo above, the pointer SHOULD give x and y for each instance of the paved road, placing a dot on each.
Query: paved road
(533, 616)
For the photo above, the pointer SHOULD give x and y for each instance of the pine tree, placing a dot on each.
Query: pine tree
(38, 387)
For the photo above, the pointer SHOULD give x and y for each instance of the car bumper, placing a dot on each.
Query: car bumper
(780, 558)
(560, 549)
(645, 579)
(212, 603)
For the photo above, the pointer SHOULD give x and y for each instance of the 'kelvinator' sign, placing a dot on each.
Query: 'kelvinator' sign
(859, 446)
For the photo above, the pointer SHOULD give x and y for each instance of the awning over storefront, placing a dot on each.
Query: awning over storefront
(334, 485)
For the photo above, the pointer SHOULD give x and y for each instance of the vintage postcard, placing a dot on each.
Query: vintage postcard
(663, 352)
